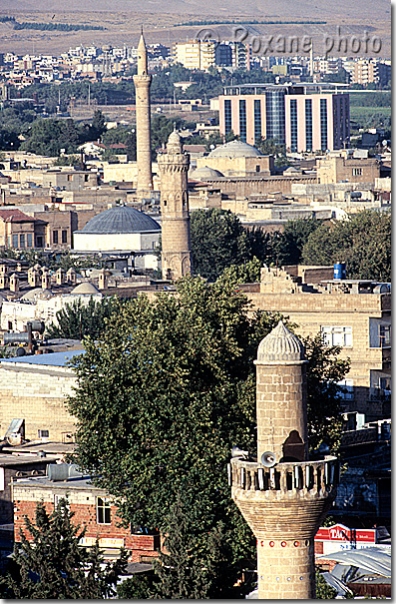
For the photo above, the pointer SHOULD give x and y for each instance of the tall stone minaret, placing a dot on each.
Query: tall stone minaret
(142, 83)
(175, 217)
(283, 496)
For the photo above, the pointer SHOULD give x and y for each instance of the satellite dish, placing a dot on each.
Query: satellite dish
(268, 459)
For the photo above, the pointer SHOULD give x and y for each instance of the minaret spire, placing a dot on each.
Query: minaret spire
(142, 83)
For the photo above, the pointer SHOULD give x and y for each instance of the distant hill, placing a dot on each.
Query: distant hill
(316, 9)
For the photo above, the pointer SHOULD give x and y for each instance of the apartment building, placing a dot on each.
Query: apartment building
(353, 314)
(195, 54)
(302, 118)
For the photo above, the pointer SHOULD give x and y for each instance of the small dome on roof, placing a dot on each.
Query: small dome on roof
(235, 149)
(85, 289)
(120, 219)
(37, 294)
(205, 173)
(174, 143)
(280, 345)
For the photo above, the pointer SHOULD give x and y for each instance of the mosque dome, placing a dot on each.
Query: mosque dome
(280, 345)
(120, 219)
(37, 294)
(86, 288)
(205, 173)
(235, 149)
(174, 143)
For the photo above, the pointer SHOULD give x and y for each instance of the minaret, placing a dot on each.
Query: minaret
(175, 218)
(142, 83)
(283, 496)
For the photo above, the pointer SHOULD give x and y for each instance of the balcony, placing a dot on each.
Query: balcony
(318, 477)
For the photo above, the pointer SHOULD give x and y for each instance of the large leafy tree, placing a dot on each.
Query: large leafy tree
(162, 397)
(77, 320)
(218, 240)
(363, 241)
(50, 563)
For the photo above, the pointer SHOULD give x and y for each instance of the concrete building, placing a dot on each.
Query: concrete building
(122, 228)
(355, 315)
(175, 217)
(195, 54)
(34, 388)
(283, 496)
(142, 83)
(345, 166)
(296, 116)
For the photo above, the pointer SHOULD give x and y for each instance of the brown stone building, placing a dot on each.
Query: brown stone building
(18, 230)
(342, 167)
(353, 314)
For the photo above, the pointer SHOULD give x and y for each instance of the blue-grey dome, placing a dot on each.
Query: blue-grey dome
(120, 219)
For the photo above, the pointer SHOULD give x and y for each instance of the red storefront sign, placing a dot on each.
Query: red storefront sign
(339, 532)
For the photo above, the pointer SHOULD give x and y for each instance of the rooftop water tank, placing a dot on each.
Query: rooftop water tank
(340, 270)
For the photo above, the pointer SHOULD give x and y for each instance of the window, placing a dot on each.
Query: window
(55, 237)
(323, 124)
(337, 336)
(356, 171)
(39, 242)
(308, 124)
(257, 168)
(22, 240)
(29, 238)
(15, 241)
(103, 512)
(227, 116)
(293, 126)
(64, 236)
(242, 120)
(257, 121)
(385, 335)
(43, 433)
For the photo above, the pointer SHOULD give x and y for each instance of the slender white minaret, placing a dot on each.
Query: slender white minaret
(142, 83)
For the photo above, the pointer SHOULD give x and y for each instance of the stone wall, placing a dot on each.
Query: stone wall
(36, 394)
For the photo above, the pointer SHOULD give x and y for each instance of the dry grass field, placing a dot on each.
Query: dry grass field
(122, 20)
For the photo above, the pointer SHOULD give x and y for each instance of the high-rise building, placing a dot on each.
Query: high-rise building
(195, 54)
(175, 217)
(142, 83)
(292, 115)
(283, 496)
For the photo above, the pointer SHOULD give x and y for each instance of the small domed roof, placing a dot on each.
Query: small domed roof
(205, 173)
(37, 293)
(120, 219)
(174, 143)
(280, 345)
(235, 149)
(85, 289)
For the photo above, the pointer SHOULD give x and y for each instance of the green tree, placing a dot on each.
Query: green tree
(287, 247)
(98, 126)
(50, 564)
(363, 241)
(163, 394)
(325, 371)
(78, 320)
(324, 591)
(218, 240)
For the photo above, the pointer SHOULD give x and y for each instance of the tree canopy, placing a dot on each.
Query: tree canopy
(162, 397)
(49, 563)
(77, 320)
(363, 241)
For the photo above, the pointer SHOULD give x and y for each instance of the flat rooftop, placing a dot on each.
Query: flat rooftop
(53, 359)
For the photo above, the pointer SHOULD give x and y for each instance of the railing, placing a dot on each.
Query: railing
(314, 476)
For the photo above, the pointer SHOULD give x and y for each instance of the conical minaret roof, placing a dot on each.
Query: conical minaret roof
(280, 345)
